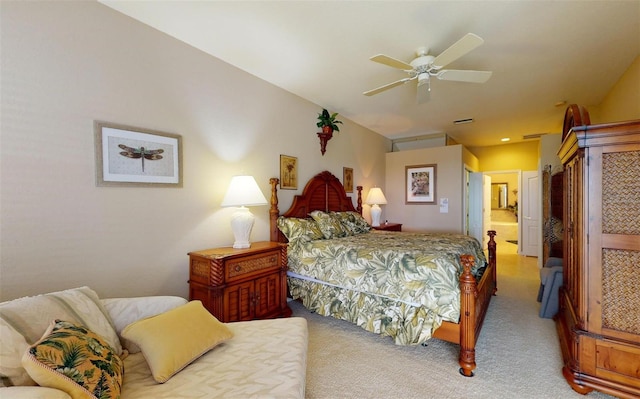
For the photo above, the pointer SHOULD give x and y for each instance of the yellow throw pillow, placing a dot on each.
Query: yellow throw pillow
(172, 340)
(75, 360)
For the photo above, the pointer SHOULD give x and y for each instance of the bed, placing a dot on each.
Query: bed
(409, 286)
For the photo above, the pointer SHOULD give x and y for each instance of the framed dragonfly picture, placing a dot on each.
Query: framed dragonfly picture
(130, 156)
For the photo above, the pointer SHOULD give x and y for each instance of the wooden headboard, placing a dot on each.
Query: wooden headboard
(323, 192)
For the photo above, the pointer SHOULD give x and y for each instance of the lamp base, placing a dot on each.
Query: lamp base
(376, 212)
(241, 224)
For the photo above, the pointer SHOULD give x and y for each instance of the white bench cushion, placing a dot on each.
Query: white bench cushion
(264, 359)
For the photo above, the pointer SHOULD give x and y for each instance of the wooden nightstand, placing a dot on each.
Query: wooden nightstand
(241, 284)
(389, 226)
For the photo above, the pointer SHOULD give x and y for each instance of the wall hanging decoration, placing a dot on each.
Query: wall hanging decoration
(420, 184)
(328, 123)
(288, 172)
(347, 179)
(131, 156)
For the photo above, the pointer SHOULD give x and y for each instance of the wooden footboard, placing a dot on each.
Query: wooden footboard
(474, 302)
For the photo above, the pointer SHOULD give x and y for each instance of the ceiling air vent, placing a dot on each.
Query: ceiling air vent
(463, 121)
(533, 136)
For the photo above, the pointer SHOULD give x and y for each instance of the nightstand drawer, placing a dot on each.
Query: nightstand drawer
(240, 268)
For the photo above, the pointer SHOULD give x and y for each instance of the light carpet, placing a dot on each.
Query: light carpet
(517, 353)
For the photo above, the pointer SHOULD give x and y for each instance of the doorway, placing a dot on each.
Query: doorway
(505, 187)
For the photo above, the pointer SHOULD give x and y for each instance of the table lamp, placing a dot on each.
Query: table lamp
(375, 198)
(243, 191)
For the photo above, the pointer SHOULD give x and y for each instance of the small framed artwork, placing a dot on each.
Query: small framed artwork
(131, 156)
(347, 179)
(288, 172)
(421, 184)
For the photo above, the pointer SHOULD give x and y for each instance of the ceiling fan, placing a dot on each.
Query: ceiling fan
(425, 66)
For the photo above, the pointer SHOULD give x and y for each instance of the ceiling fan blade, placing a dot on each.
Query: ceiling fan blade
(387, 87)
(464, 75)
(392, 62)
(457, 50)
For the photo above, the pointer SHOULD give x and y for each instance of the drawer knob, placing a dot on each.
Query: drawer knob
(238, 268)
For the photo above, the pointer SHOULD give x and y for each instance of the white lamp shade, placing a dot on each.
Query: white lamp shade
(243, 191)
(374, 198)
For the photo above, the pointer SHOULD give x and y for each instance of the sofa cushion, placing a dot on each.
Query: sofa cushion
(23, 322)
(265, 359)
(30, 392)
(124, 311)
(73, 359)
(172, 340)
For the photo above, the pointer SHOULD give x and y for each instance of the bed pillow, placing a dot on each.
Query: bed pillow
(352, 222)
(73, 359)
(360, 223)
(346, 221)
(299, 229)
(23, 321)
(329, 225)
(172, 340)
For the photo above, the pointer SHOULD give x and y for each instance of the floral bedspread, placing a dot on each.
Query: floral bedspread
(398, 284)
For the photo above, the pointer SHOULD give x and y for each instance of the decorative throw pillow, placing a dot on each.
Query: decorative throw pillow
(23, 321)
(346, 221)
(360, 223)
(73, 359)
(172, 340)
(301, 229)
(329, 225)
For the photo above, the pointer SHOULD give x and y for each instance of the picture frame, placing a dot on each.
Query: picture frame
(129, 156)
(288, 172)
(420, 184)
(347, 179)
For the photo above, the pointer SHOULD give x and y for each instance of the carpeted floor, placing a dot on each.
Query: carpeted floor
(517, 353)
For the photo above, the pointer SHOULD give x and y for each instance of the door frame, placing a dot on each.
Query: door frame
(519, 196)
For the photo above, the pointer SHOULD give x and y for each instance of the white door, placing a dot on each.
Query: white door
(479, 206)
(529, 211)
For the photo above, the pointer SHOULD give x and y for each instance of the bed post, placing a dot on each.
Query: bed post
(492, 259)
(359, 207)
(468, 293)
(274, 212)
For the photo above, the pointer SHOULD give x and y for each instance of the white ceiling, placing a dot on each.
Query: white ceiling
(540, 52)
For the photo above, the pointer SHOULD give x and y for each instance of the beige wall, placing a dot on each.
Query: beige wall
(450, 162)
(66, 64)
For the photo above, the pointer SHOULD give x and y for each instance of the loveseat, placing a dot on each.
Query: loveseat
(167, 347)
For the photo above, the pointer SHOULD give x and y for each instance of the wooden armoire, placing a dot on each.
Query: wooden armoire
(598, 321)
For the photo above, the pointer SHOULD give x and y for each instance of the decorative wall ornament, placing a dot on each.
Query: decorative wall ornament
(347, 179)
(131, 156)
(328, 123)
(420, 184)
(288, 172)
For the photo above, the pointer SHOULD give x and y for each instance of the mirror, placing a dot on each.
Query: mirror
(499, 195)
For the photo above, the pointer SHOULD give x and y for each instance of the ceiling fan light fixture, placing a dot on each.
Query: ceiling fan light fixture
(423, 79)
(463, 121)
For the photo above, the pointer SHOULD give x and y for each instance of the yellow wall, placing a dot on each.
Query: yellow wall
(517, 156)
(623, 101)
